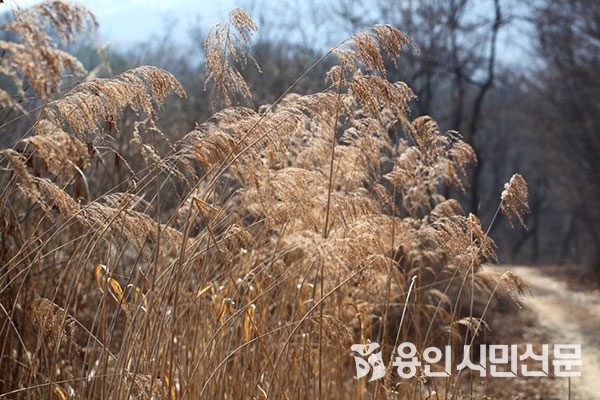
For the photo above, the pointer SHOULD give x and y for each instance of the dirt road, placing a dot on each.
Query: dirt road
(570, 317)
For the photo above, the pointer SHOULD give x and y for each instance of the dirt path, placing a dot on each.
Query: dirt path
(570, 317)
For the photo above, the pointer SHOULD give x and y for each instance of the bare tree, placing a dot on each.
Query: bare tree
(568, 106)
(455, 69)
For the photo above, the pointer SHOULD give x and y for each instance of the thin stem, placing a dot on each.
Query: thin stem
(410, 289)
(333, 142)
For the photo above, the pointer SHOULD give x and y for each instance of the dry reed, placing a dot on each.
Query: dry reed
(244, 260)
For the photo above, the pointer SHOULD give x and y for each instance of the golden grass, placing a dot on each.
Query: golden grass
(33, 58)
(244, 260)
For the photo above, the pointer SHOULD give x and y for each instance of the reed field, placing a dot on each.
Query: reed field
(242, 259)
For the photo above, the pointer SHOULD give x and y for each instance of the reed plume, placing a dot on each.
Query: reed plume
(244, 259)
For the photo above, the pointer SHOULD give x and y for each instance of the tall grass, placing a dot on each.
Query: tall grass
(243, 260)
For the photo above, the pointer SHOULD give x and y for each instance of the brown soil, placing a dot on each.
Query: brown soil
(563, 309)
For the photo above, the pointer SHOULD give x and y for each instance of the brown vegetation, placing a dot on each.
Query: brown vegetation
(244, 259)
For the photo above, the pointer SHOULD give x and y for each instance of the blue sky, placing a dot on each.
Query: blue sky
(123, 22)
